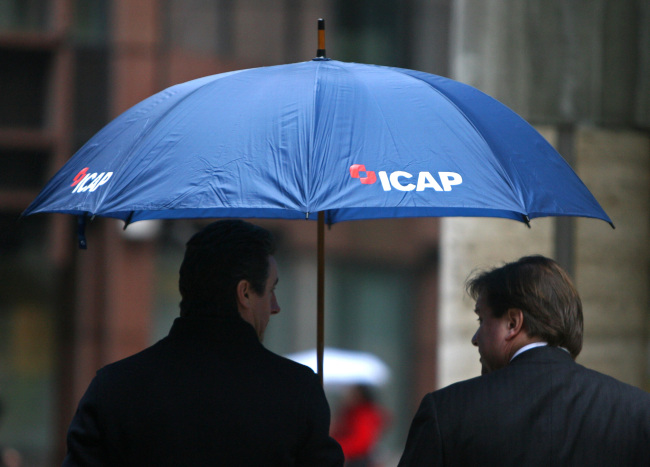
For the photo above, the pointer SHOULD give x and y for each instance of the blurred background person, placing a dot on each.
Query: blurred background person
(359, 425)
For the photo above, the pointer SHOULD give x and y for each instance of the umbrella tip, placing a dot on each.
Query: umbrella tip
(320, 53)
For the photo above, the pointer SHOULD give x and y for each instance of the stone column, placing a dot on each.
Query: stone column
(613, 266)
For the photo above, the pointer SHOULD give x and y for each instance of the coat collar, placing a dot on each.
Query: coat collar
(546, 353)
(218, 329)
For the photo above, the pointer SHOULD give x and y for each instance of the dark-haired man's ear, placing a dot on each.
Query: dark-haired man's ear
(242, 293)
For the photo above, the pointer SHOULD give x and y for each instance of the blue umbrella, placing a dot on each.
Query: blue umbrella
(318, 139)
(352, 141)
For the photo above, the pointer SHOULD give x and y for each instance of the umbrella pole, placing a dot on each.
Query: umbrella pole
(320, 292)
(320, 288)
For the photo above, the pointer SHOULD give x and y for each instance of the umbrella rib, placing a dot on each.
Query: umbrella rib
(314, 119)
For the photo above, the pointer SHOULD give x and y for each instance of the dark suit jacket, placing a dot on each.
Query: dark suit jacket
(542, 409)
(209, 394)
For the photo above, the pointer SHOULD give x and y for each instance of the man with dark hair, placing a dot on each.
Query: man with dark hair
(533, 405)
(209, 393)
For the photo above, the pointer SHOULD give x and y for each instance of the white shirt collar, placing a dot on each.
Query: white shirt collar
(528, 347)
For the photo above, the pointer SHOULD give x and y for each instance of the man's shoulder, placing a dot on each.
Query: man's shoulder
(597, 378)
(135, 362)
(536, 376)
(461, 389)
(530, 369)
(286, 365)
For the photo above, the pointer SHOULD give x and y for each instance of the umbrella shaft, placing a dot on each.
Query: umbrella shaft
(320, 292)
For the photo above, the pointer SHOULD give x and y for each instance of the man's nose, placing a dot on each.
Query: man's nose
(275, 308)
(474, 339)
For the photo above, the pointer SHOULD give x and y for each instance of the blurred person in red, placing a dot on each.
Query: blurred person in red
(359, 425)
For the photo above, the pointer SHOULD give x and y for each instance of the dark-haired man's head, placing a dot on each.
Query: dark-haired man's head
(228, 269)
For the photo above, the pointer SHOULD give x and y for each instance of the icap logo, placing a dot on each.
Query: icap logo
(85, 181)
(393, 180)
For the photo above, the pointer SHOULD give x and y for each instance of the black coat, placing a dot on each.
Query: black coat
(543, 409)
(209, 394)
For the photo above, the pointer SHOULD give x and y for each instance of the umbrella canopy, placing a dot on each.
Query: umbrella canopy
(353, 141)
(346, 367)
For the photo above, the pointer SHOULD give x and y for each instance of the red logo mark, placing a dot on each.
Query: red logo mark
(80, 176)
(369, 176)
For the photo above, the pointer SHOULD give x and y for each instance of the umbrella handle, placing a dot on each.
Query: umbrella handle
(320, 53)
